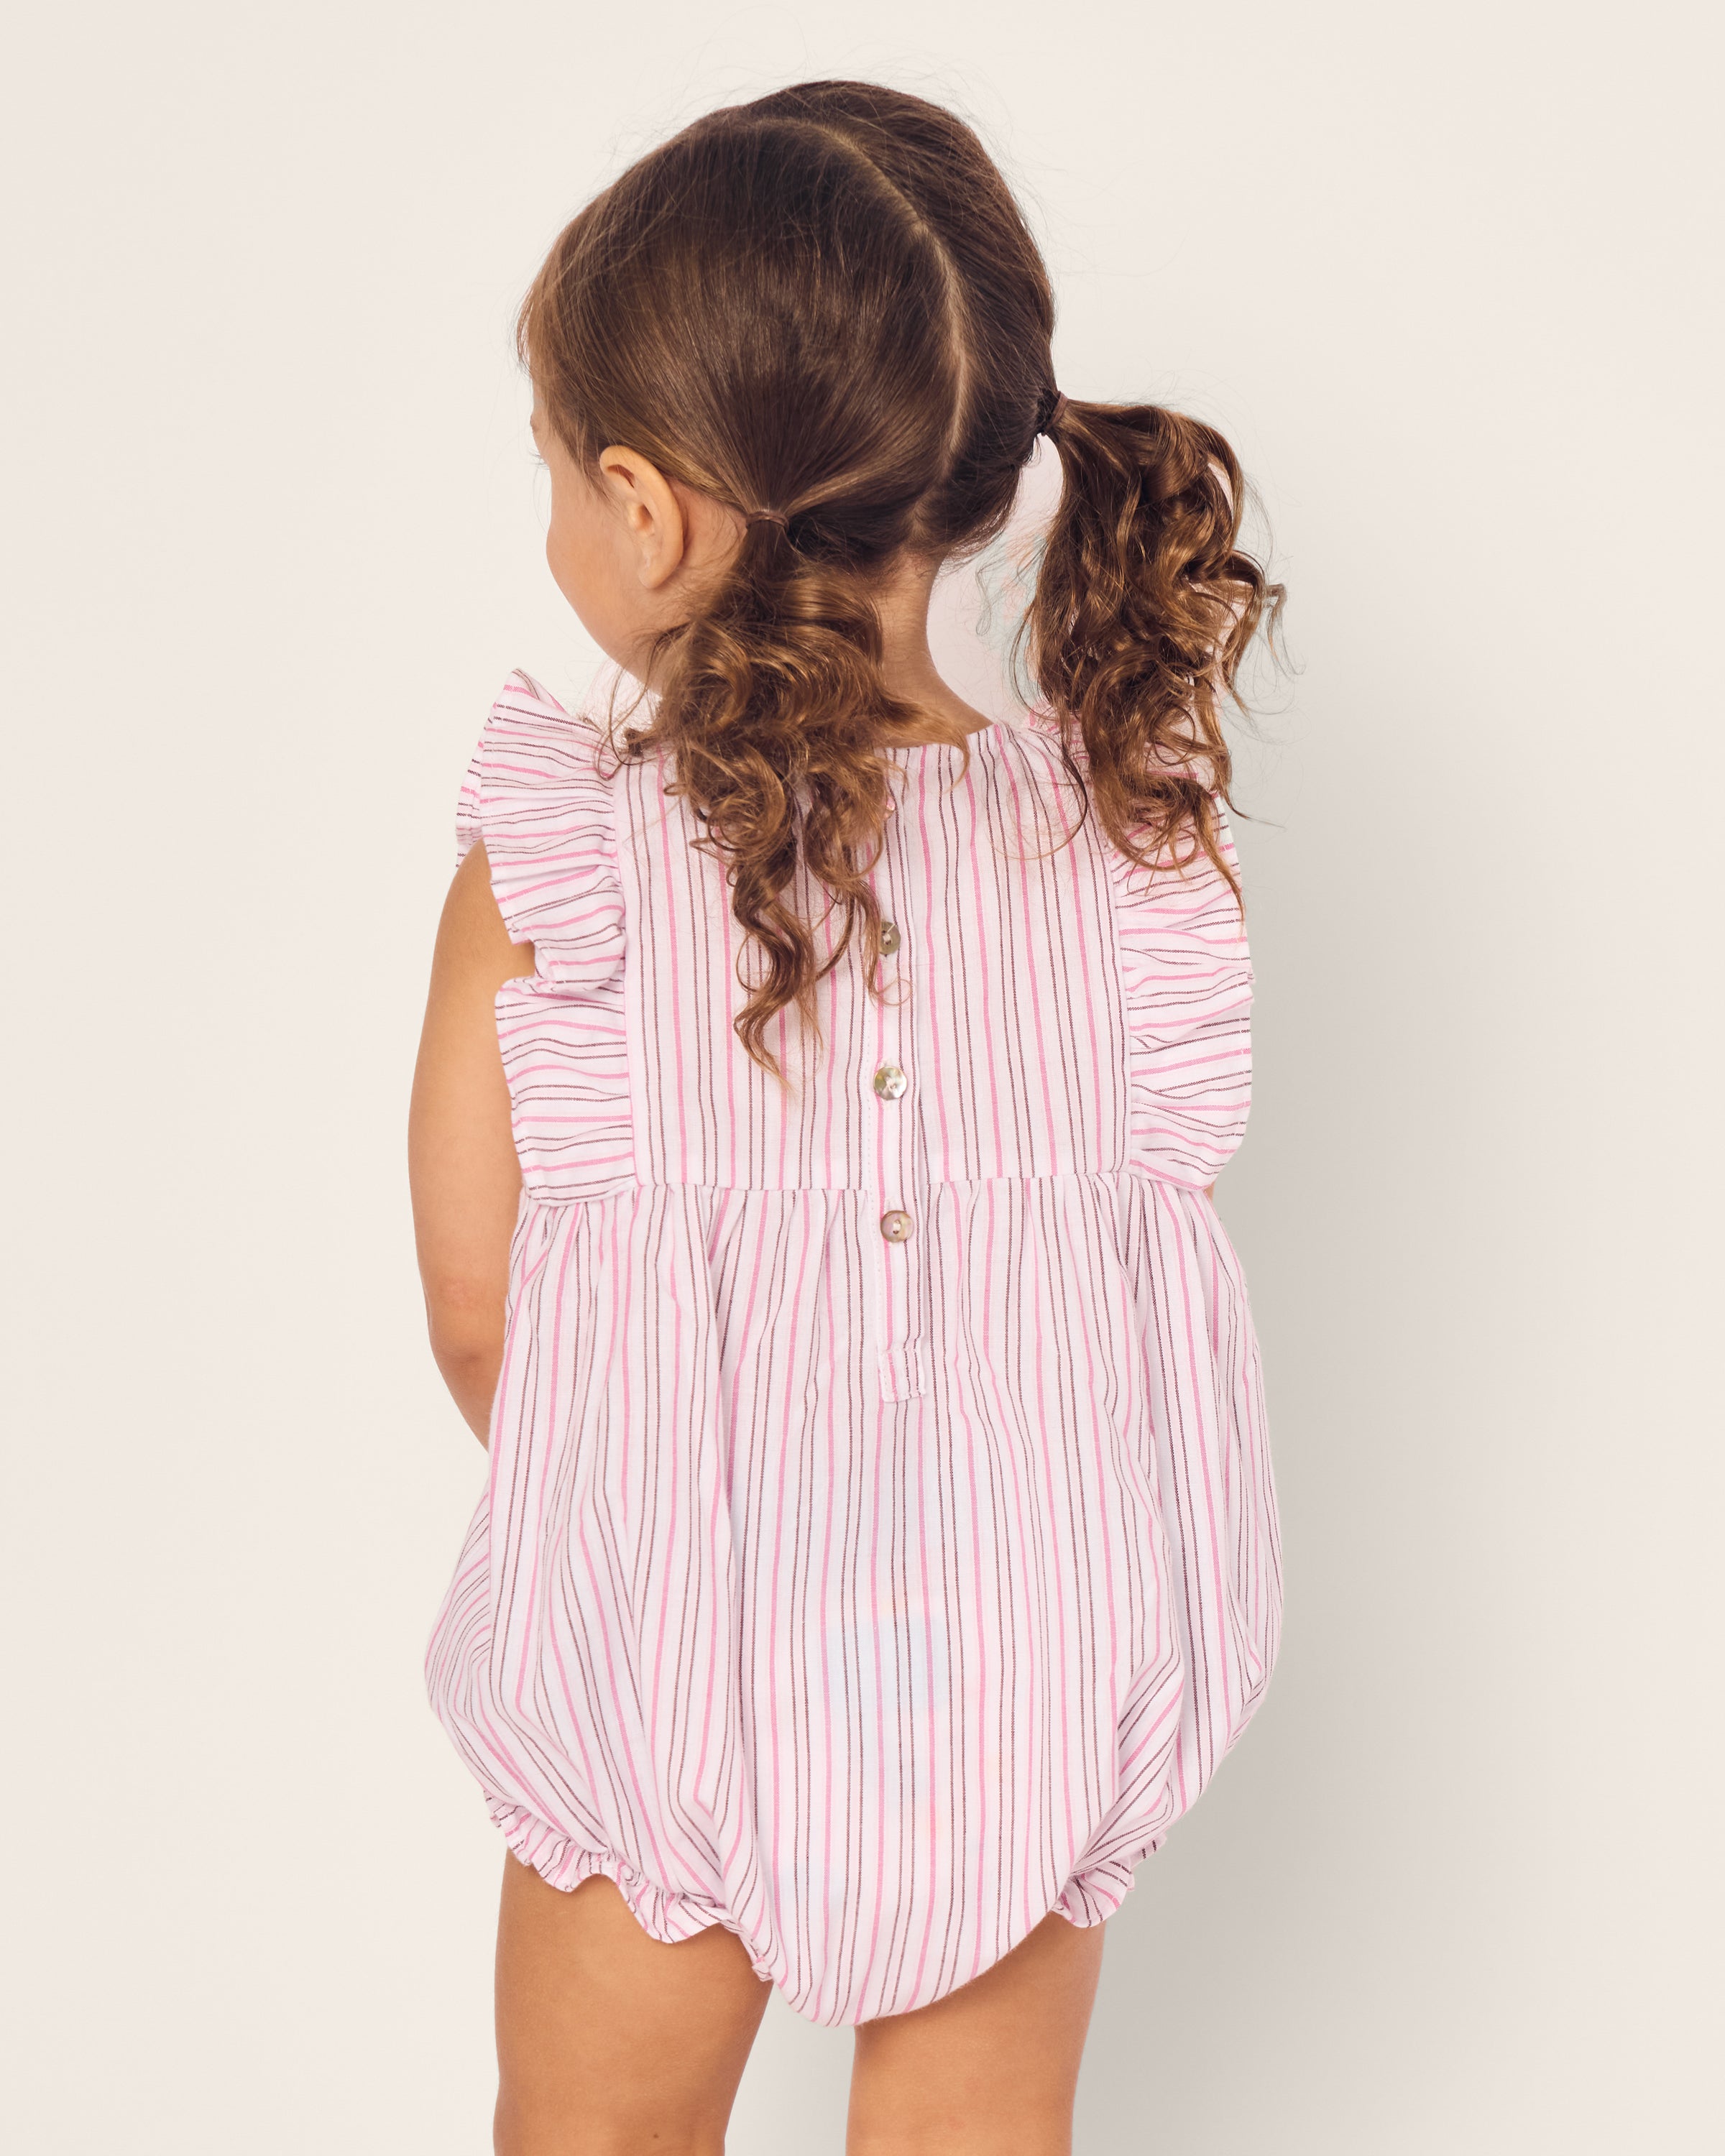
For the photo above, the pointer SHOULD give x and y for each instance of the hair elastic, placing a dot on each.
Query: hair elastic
(768, 516)
(1051, 411)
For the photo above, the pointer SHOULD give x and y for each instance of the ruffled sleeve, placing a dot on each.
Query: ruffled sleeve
(1188, 978)
(535, 795)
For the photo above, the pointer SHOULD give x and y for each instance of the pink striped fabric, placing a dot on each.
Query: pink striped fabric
(870, 1597)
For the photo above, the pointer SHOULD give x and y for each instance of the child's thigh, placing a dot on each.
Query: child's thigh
(991, 2067)
(607, 2039)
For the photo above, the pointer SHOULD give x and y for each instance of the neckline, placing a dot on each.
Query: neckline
(912, 748)
(992, 729)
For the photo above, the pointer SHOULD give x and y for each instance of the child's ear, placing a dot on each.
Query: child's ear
(652, 515)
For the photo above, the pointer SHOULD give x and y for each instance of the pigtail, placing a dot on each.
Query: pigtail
(774, 710)
(1145, 609)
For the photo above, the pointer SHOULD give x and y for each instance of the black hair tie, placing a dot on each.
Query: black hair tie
(1050, 412)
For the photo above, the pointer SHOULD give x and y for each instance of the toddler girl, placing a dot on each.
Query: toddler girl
(823, 1086)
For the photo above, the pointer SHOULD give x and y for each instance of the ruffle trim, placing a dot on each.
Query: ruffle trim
(534, 794)
(1186, 974)
(662, 1913)
(1090, 1897)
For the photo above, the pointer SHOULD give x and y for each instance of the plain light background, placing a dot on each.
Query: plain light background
(1445, 278)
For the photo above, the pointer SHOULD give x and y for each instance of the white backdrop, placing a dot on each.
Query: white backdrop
(273, 544)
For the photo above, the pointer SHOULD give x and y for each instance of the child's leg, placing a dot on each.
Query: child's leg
(609, 2040)
(992, 2067)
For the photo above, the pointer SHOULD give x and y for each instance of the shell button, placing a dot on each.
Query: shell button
(889, 938)
(895, 1226)
(889, 1081)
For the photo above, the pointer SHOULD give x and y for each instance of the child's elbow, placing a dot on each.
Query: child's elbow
(465, 1319)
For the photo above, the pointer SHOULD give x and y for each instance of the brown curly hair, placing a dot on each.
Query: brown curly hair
(826, 304)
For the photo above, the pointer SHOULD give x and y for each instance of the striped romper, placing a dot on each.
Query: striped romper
(879, 1546)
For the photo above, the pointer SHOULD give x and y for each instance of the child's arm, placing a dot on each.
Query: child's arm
(462, 1168)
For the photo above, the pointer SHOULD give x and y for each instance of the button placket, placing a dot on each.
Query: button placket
(897, 1154)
